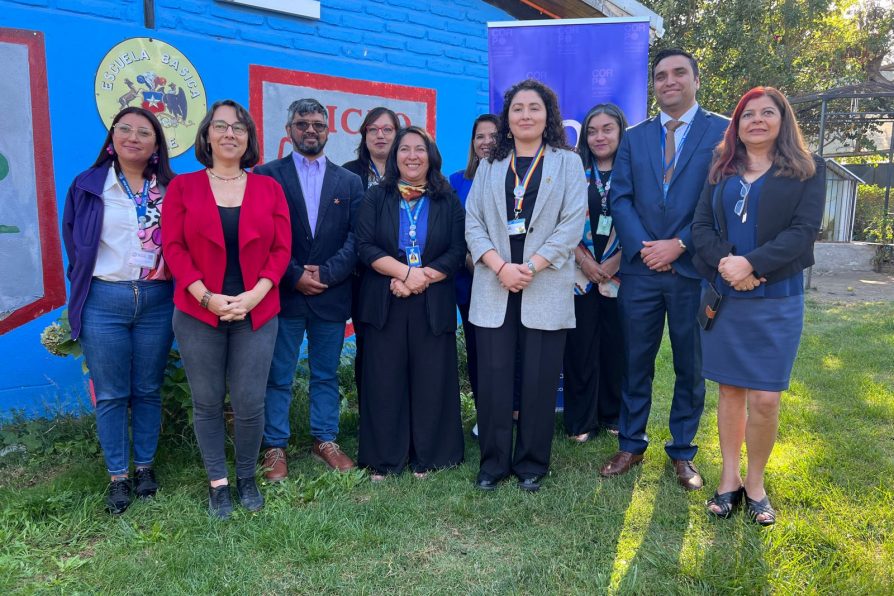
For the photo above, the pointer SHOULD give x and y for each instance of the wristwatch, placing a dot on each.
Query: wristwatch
(532, 268)
(682, 244)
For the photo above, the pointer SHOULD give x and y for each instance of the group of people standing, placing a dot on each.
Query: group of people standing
(558, 259)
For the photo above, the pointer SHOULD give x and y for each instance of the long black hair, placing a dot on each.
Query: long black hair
(553, 134)
(610, 110)
(161, 169)
(438, 186)
(472, 164)
(362, 150)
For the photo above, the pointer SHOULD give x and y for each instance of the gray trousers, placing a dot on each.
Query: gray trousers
(215, 358)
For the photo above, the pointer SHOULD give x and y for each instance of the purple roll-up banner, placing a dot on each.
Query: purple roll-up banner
(585, 61)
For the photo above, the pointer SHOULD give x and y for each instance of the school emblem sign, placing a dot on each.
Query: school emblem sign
(152, 74)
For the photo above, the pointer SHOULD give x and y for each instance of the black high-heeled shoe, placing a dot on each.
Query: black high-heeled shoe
(762, 507)
(725, 502)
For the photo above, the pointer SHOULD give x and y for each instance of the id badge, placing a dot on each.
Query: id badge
(516, 226)
(414, 256)
(145, 259)
(604, 226)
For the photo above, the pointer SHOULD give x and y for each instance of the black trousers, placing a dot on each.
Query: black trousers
(410, 410)
(358, 332)
(594, 364)
(471, 349)
(541, 363)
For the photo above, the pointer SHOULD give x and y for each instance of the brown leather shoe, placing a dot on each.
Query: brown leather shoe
(687, 474)
(331, 454)
(621, 463)
(275, 466)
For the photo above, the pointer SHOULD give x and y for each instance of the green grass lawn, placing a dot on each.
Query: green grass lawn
(831, 479)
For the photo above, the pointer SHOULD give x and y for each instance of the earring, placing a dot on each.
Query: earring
(509, 135)
(110, 150)
(153, 159)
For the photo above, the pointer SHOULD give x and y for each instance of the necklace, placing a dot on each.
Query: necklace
(222, 179)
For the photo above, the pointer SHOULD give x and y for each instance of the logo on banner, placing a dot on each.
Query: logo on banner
(154, 75)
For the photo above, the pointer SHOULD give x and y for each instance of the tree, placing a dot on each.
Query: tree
(797, 46)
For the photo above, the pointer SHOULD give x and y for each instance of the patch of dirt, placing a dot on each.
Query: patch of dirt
(851, 286)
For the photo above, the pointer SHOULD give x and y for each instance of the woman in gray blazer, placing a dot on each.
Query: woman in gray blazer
(525, 214)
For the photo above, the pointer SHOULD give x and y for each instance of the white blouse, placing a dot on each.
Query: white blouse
(118, 240)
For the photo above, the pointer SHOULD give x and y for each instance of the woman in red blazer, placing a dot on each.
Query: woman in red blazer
(227, 241)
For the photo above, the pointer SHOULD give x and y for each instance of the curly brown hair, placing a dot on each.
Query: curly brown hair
(553, 134)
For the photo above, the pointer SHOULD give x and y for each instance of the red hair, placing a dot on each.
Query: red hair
(791, 155)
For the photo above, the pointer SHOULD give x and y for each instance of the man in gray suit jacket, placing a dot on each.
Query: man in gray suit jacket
(660, 169)
(315, 292)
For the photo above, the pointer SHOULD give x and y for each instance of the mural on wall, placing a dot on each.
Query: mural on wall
(31, 282)
(152, 74)
(271, 90)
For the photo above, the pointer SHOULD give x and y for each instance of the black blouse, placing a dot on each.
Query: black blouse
(517, 241)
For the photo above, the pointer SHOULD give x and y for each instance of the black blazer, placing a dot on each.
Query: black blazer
(377, 229)
(331, 246)
(355, 167)
(789, 216)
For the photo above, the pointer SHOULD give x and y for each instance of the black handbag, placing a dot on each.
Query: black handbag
(708, 307)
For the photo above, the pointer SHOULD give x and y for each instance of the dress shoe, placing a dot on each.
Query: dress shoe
(275, 464)
(331, 454)
(687, 475)
(531, 485)
(486, 483)
(249, 495)
(621, 463)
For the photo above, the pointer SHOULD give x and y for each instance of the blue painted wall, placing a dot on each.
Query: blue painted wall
(426, 43)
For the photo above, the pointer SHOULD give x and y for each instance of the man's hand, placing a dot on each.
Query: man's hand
(659, 255)
(309, 283)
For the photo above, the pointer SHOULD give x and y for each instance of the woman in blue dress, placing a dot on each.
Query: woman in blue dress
(753, 233)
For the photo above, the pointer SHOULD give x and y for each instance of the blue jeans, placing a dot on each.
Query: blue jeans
(324, 344)
(126, 336)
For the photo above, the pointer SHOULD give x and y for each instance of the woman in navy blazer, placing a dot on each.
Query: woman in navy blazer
(753, 233)
(228, 242)
(410, 236)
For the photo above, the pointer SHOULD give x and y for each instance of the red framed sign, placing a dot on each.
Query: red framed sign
(30, 255)
(271, 90)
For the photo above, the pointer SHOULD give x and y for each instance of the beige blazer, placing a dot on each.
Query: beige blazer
(555, 228)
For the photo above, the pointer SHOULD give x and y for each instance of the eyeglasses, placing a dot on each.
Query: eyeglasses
(303, 125)
(741, 208)
(125, 130)
(220, 127)
(375, 130)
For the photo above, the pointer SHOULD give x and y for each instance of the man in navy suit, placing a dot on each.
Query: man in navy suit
(660, 169)
(315, 292)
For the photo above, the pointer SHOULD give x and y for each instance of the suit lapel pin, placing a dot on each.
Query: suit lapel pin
(336, 201)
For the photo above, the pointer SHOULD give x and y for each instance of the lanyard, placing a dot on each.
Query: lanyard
(522, 186)
(140, 201)
(412, 216)
(374, 171)
(596, 179)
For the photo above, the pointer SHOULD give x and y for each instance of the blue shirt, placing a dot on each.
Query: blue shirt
(310, 175)
(744, 237)
(462, 279)
(403, 234)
